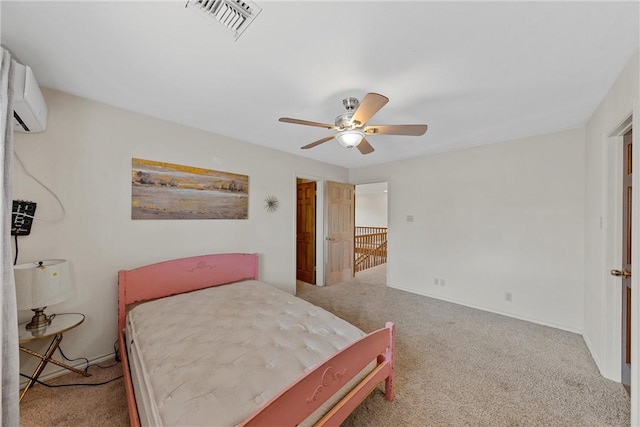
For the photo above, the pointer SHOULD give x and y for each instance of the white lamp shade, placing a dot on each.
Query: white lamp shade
(350, 138)
(42, 283)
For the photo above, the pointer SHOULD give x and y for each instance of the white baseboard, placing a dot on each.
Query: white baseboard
(62, 371)
(490, 310)
(595, 357)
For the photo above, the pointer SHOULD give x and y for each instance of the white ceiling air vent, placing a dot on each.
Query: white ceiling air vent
(234, 15)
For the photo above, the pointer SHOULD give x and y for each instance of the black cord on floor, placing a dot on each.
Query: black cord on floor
(72, 385)
(105, 367)
(86, 369)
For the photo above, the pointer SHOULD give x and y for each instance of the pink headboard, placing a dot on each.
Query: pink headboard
(181, 275)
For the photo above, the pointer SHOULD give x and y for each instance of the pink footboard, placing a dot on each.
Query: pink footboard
(301, 399)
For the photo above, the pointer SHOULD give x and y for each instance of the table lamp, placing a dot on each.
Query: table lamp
(40, 284)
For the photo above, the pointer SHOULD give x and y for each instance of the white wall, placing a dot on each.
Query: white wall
(371, 207)
(85, 157)
(506, 217)
(602, 251)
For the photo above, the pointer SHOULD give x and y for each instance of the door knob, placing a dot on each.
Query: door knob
(624, 273)
(331, 238)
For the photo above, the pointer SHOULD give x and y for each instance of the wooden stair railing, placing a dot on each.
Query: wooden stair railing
(370, 247)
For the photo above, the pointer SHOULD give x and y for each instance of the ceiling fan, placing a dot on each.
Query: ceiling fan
(351, 126)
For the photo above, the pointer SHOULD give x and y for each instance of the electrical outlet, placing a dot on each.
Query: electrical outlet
(22, 217)
(435, 282)
(443, 282)
(507, 296)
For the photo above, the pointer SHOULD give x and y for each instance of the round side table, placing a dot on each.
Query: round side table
(60, 323)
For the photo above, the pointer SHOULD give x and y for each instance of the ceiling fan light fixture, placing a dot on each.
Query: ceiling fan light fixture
(352, 125)
(350, 138)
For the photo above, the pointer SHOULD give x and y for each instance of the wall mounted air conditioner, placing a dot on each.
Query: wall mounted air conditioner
(29, 109)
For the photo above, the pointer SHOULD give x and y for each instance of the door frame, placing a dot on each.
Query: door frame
(612, 256)
(387, 180)
(386, 213)
(320, 225)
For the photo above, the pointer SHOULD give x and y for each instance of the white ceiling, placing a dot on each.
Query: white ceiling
(475, 72)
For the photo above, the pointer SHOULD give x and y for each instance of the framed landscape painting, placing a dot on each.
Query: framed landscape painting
(167, 191)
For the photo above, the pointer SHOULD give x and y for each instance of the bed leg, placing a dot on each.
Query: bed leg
(389, 382)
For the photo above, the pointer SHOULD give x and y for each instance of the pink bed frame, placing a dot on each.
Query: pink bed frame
(299, 400)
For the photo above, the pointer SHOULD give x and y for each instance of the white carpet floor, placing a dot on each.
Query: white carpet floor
(458, 366)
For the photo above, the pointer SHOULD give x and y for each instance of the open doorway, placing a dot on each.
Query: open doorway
(370, 243)
(370, 236)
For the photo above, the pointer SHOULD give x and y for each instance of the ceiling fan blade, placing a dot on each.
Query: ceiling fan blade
(306, 123)
(413, 130)
(371, 104)
(318, 142)
(365, 147)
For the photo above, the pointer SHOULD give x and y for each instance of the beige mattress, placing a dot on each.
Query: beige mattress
(214, 356)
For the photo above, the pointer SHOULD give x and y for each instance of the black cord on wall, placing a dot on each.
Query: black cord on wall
(86, 368)
(15, 260)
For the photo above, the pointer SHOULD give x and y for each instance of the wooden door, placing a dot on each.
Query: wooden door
(626, 261)
(306, 232)
(340, 231)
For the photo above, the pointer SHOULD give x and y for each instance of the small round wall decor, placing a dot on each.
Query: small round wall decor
(271, 203)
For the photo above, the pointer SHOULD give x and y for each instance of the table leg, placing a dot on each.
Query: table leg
(44, 359)
(54, 361)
